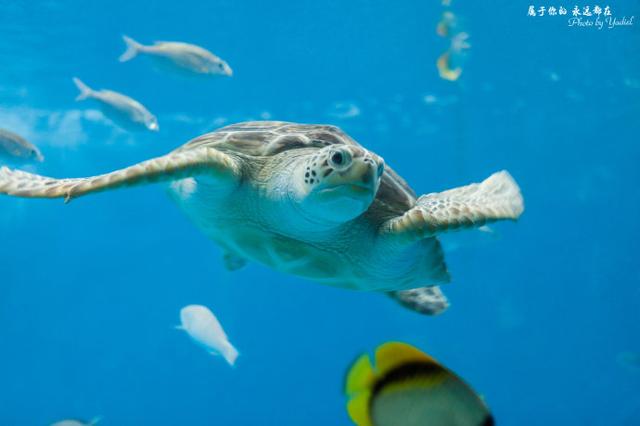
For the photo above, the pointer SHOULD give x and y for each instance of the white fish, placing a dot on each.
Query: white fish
(76, 422)
(15, 148)
(203, 327)
(178, 57)
(121, 109)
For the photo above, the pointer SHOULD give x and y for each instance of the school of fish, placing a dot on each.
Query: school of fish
(404, 387)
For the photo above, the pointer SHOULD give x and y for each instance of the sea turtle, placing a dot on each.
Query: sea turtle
(307, 200)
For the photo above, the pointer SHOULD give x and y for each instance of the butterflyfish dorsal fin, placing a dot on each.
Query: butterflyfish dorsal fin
(360, 376)
(358, 409)
(393, 354)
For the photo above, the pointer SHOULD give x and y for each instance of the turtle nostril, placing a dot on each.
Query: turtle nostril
(372, 172)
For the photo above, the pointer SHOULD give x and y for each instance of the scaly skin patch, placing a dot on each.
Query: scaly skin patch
(496, 198)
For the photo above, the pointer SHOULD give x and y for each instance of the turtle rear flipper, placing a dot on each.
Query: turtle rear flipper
(233, 262)
(177, 165)
(496, 198)
(424, 300)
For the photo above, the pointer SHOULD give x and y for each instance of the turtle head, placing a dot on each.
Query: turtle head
(337, 183)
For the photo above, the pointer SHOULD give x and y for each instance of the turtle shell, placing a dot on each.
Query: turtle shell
(268, 138)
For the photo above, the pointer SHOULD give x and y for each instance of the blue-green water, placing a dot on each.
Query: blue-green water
(541, 310)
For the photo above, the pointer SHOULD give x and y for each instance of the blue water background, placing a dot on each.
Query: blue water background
(89, 291)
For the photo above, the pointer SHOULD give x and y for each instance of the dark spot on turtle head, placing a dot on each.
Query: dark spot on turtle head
(307, 174)
(311, 180)
(313, 172)
(325, 163)
(327, 172)
(306, 181)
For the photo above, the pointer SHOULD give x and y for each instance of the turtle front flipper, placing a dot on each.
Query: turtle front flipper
(177, 165)
(496, 198)
(424, 300)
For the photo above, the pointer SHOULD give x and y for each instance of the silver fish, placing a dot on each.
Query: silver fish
(204, 328)
(178, 56)
(15, 148)
(121, 109)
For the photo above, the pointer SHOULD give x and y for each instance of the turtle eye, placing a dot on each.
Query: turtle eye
(339, 159)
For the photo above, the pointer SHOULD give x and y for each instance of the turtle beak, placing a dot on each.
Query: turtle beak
(360, 180)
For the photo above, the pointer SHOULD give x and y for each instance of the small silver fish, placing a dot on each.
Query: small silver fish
(76, 422)
(178, 57)
(15, 148)
(121, 109)
(203, 327)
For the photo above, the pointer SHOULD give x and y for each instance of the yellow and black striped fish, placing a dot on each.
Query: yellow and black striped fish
(407, 387)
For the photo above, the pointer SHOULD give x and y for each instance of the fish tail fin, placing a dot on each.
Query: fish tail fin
(133, 47)
(85, 91)
(230, 354)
